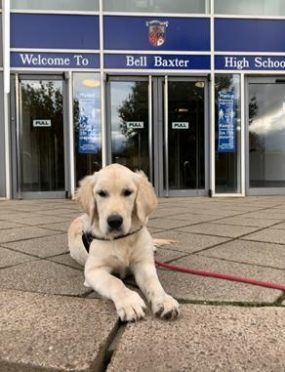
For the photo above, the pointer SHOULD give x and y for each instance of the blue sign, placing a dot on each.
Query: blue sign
(54, 31)
(157, 61)
(226, 136)
(88, 131)
(250, 35)
(54, 60)
(156, 33)
(260, 63)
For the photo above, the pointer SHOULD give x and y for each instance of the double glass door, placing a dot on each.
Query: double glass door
(157, 124)
(38, 125)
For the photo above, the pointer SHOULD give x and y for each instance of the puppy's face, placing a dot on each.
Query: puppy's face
(115, 194)
(117, 200)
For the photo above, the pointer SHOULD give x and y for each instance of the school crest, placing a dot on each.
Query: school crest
(156, 32)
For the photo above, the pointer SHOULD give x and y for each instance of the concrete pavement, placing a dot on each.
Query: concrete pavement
(50, 322)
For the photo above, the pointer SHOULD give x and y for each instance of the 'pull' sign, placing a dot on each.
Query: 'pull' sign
(41, 123)
(135, 124)
(180, 125)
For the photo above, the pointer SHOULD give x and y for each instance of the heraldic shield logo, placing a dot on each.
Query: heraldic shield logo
(156, 32)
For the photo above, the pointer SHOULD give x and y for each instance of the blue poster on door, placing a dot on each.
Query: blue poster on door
(226, 126)
(88, 136)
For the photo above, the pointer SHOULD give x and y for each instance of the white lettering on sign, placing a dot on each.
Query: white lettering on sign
(135, 124)
(81, 61)
(136, 61)
(31, 59)
(262, 62)
(236, 63)
(158, 62)
(170, 62)
(41, 123)
(180, 125)
(241, 63)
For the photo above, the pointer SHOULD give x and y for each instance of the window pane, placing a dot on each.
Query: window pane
(1, 44)
(266, 135)
(250, 7)
(87, 123)
(227, 98)
(129, 124)
(2, 142)
(42, 150)
(55, 4)
(154, 6)
(186, 160)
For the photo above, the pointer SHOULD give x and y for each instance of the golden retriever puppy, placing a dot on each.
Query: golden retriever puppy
(117, 203)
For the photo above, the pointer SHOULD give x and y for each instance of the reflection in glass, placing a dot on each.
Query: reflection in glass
(267, 135)
(154, 6)
(55, 4)
(41, 122)
(227, 138)
(252, 7)
(129, 124)
(87, 123)
(186, 135)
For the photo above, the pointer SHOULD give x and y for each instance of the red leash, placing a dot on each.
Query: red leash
(210, 274)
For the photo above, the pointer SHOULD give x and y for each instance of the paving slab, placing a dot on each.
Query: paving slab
(44, 277)
(167, 223)
(10, 215)
(62, 212)
(61, 226)
(275, 214)
(11, 258)
(66, 259)
(9, 235)
(53, 333)
(37, 219)
(187, 242)
(269, 235)
(42, 247)
(205, 338)
(166, 254)
(244, 220)
(219, 230)
(4, 224)
(215, 211)
(278, 226)
(244, 251)
(191, 219)
(198, 288)
(168, 211)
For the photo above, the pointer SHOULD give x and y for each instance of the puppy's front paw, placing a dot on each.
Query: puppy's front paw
(130, 307)
(165, 307)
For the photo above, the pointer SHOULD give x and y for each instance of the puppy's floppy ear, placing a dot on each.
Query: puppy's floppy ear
(146, 200)
(85, 197)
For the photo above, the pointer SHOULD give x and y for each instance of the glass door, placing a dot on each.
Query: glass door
(184, 136)
(157, 124)
(266, 135)
(40, 137)
(128, 123)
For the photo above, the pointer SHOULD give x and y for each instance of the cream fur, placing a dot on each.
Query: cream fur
(115, 190)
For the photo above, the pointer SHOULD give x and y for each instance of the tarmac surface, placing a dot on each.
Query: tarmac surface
(50, 322)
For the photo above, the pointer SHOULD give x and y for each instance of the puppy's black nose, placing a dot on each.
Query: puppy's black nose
(115, 221)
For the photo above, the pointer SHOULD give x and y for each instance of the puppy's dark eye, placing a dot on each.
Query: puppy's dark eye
(127, 192)
(102, 193)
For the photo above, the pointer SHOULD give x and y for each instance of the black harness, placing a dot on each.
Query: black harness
(88, 237)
